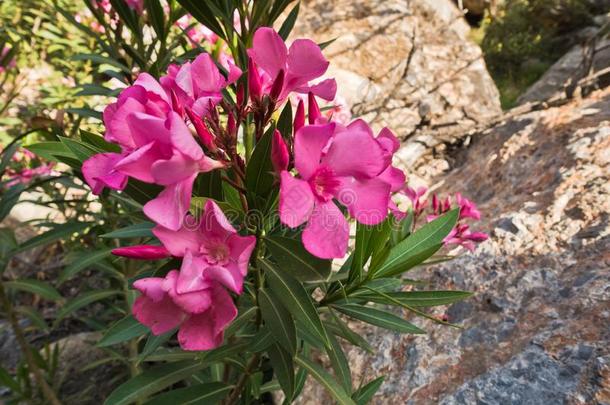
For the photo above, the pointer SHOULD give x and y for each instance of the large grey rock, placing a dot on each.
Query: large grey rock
(405, 64)
(536, 331)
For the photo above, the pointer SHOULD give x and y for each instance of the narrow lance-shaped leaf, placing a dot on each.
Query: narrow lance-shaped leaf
(339, 363)
(82, 301)
(378, 317)
(292, 257)
(151, 381)
(326, 380)
(124, 329)
(423, 243)
(295, 298)
(283, 367)
(279, 321)
(364, 395)
(37, 287)
(208, 394)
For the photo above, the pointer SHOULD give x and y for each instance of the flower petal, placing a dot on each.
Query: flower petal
(170, 206)
(160, 317)
(268, 51)
(138, 163)
(305, 60)
(178, 242)
(355, 153)
(309, 143)
(99, 172)
(327, 232)
(367, 200)
(173, 170)
(296, 200)
(195, 302)
(191, 277)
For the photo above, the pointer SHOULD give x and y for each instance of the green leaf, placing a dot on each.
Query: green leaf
(339, 328)
(50, 150)
(128, 16)
(10, 199)
(34, 316)
(283, 367)
(85, 112)
(208, 394)
(378, 317)
(419, 246)
(155, 15)
(35, 287)
(82, 301)
(241, 320)
(259, 178)
(151, 381)
(82, 262)
(202, 13)
(261, 341)
(284, 123)
(288, 23)
(81, 150)
(292, 257)
(364, 395)
(418, 298)
(326, 380)
(278, 321)
(339, 363)
(99, 59)
(7, 155)
(124, 329)
(7, 381)
(141, 230)
(295, 298)
(153, 343)
(7, 242)
(59, 232)
(98, 142)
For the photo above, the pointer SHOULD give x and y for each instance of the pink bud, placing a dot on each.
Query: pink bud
(278, 86)
(314, 109)
(231, 124)
(254, 81)
(279, 152)
(240, 95)
(299, 117)
(206, 137)
(142, 252)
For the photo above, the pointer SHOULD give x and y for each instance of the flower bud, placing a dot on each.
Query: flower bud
(231, 124)
(254, 82)
(206, 137)
(299, 117)
(279, 152)
(239, 96)
(142, 252)
(177, 106)
(278, 86)
(314, 109)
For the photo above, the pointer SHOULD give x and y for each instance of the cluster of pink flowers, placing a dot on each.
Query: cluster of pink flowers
(460, 235)
(29, 171)
(325, 169)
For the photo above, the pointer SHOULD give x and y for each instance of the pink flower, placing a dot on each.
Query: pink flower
(301, 63)
(196, 32)
(340, 111)
(157, 147)
(142, 252)
(461, 235)
(468, 209)
(211, 248)
(198, 84)
(416, 199)
(340, 163)
(197, 304)
(136, 5)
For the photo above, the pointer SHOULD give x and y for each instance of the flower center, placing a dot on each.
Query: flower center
(215, 251)
(324, 183)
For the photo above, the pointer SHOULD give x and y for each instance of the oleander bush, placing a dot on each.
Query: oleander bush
(215, 215)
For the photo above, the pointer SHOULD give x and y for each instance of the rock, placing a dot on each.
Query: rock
(570, 68)
(404, 64)
(536, 331)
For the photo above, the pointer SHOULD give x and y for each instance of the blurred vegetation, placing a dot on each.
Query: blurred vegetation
(526, 37)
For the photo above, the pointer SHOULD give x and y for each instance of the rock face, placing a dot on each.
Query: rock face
(536, 331)
(404, 64)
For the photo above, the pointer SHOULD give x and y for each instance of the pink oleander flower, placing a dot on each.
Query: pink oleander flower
(461, 235)
(334, 162)
(210, 246)
(157, 147)
(215, 258)
(198, 84)
(202, 311)
(302, 63)
(417, 202)
(196, 33)
(340, 111)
